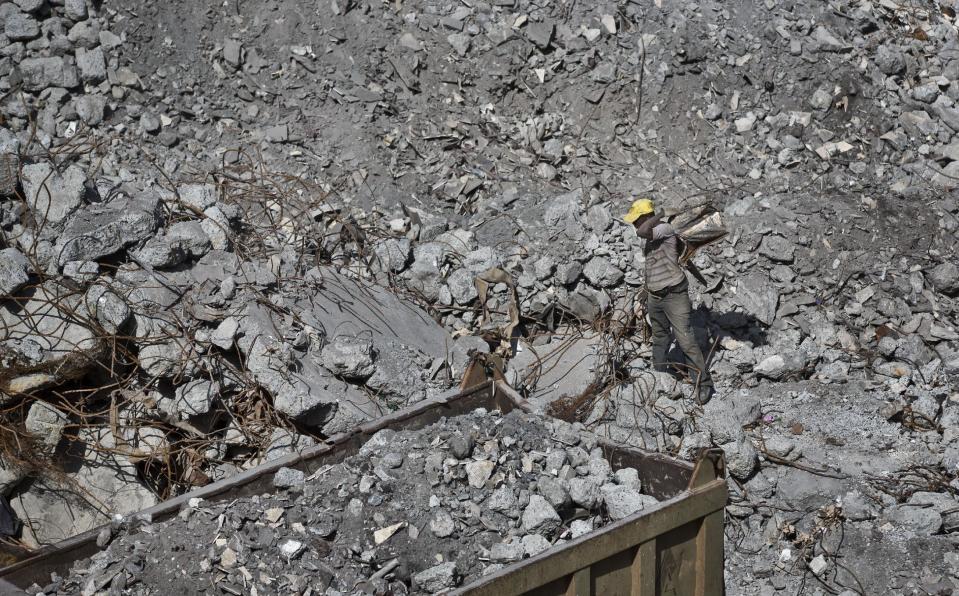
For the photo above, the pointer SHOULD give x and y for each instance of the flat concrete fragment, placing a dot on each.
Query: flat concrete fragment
(342, 305)
(106, 482)
(564, 368)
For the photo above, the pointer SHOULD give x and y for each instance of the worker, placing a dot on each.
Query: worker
(667, 289)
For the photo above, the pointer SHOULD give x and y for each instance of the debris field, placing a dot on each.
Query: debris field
(231, 230)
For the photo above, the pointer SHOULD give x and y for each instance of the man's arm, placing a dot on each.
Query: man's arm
(655, 229)
(645, 229)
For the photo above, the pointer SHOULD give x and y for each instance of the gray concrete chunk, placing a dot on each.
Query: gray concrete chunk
(47, 423)
(442, 524)
(190, 236)
(758, 297)
(75, 9)
(585, 492)
(507, 552)
(540, 34)
(741, 458)
(92, 64)
(195, 398)
(436, 578)
(890, 60)
(288, 478)
(945, 278)
(232, 52)
(91, 109)
(54, 71)
(349, 357)
(52, 195)
(111, 311)
(393, 253)
(30, 5)
(602, 273)
(540, 517)
(14, 271)
(503, 499)
(102, 230)
(921, 520)
(554, 492)
(199, 197)
(622, 501)
(21, 27)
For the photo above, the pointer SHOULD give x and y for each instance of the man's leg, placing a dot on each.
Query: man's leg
(677, 308)
(659, 325)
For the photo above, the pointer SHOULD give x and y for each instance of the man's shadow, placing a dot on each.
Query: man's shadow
(711, 328)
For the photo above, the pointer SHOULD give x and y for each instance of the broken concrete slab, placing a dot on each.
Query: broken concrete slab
(100, 231)
(107, 481)
(341, 305)
(301, 388)
(563, 368)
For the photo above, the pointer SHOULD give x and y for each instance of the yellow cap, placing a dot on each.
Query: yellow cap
(639, 208)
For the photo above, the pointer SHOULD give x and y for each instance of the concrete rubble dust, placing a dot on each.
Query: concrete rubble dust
(232, 230)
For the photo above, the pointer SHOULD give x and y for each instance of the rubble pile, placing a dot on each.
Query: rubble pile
(231, 230)
(413, 512)
(161, 335)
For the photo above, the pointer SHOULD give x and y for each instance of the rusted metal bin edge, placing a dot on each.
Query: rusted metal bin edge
(620, 537)
(665, 476)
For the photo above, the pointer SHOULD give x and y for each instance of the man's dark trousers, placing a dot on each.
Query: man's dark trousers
(667, 309)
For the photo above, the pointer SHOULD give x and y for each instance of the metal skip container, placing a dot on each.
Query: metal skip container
(672, 549)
